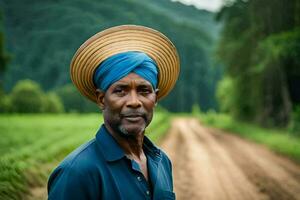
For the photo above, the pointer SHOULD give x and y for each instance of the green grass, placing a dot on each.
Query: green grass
(278, 140)
(159, 126)
(32, 145)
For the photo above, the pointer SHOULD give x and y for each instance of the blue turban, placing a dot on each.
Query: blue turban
(120, 65)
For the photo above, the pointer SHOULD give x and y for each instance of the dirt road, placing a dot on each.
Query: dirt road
(212, 165)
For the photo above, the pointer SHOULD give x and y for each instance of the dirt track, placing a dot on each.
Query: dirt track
(211, 165)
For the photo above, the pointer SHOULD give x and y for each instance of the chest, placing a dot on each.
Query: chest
(143, 168)
(127, 179)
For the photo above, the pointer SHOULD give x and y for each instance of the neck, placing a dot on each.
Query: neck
(131, 144)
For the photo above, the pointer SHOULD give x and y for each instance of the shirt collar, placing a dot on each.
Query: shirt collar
(112, 150)
(151, 149)
(109, 146)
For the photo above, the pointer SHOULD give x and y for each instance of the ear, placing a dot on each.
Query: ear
(156, 98)
(100, 99)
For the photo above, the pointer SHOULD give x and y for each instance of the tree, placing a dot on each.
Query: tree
(4, 57)
(27, 97)
(53, 103)
(259, 48)
(73, 101)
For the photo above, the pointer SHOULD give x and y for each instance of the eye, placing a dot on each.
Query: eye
(145, 91)
(119, 91)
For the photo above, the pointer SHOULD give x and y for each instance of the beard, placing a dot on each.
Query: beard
(126, 128)
(124, 132)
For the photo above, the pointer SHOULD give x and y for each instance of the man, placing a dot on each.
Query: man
(125, 70)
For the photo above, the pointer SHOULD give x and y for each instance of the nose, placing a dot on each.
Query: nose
(133, 100)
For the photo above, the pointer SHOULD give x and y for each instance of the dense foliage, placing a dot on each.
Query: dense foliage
(4, 56)
(260, 47)
(73, 101)
(43, 36)
(294, 125)
(28, 97)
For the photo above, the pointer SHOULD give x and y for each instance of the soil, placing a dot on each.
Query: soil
(211, 164)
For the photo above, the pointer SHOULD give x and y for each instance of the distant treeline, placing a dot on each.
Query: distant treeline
(260, 48)
(4, 56)
(42, 36)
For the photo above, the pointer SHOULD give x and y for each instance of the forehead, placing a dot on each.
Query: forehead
(132, 78)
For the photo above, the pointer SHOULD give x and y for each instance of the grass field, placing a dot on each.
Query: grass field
(278, 140)
(32, 145)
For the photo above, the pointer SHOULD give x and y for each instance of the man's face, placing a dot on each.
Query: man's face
(128, 105)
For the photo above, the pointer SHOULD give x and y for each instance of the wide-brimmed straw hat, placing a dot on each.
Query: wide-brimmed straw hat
(120, 39)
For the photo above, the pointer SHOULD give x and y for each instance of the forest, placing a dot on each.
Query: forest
(42, 37)
(242, 60)
(260, 49)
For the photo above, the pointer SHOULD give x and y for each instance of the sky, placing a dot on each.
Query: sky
(211, 5)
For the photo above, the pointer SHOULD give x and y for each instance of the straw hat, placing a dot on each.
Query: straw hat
(120, 39)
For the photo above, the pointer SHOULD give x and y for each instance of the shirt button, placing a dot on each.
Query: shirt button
(147, 192)
(139, 178)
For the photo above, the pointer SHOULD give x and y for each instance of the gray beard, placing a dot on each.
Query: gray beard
(123, 132)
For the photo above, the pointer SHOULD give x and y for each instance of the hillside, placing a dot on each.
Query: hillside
(43, 36)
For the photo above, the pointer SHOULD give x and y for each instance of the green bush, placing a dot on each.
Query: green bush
(196, 110)
(294, 125)
(53, 103)
(73, 101)
(225, 95)
(27, 97)
(5, 103)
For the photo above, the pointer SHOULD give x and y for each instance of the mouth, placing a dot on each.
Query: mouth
(133, 117)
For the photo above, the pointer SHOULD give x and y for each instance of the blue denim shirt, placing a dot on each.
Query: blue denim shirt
(99, 169)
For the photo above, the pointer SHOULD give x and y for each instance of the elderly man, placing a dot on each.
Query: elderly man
(125, 70)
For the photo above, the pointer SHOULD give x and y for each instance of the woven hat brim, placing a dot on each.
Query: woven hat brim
(121, 39)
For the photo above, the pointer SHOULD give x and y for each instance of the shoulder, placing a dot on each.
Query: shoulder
(79, 163)
(166, 160)
(82, 157)
(78, 170)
